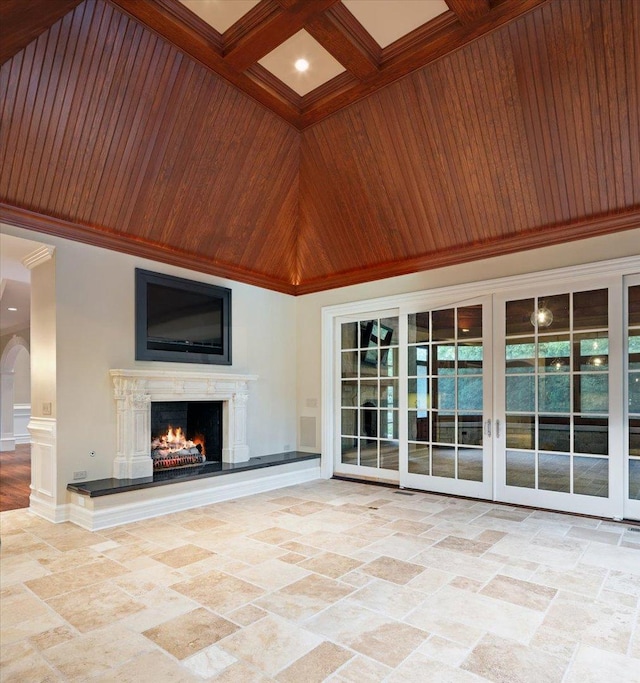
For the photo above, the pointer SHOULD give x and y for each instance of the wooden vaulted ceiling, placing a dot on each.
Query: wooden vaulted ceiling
(498, 127)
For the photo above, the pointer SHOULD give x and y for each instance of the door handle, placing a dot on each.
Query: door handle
(497, 429)
(488, 428)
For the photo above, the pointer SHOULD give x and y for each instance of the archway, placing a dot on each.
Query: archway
(14, 393)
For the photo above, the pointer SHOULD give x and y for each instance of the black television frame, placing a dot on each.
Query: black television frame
(181, 355)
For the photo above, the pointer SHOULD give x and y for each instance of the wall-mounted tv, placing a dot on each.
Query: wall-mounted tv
(181, 320)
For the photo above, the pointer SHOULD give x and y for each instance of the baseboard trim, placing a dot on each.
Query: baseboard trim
(117, 512)
(52, 513)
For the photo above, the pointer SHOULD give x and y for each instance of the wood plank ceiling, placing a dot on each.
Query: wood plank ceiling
(129, 138)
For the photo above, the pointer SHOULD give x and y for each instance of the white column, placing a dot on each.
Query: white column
(7, 438)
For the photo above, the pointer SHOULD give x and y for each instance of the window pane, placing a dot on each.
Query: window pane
(443, 462)
(444, 359)
(590, 310)
(521, 355)
(634, 305)
(470, 430)
(418, 394)
(369, 393)
(634, 479)
(369, 423)
(553, 433)
(366, 331)
(350, 451)
(521, 394)
(553, 394)
(389, 455)
(591, 393)
(591, 435)
(470, 359)
(469, 393)
(349, 422)
(349, 363)
(369, 453)
(554, 353)
(518, 317)
(443, 428)
(389, 331)
(553, 472)
(591, 476)
(634, 392)
(521, 469)
(388, 424)
(591, 352)
(418, 361)
(389, 362)
(470, 322)
(470, 464)
(444, 393)
(521, 431)
(349, 335)
(369, 363)
(419, 459)
(559, 307)
(634, 437)
(442, 325)
(418, 328)
(634, 351)
(349, 393)
(389, 393)
(418, 427)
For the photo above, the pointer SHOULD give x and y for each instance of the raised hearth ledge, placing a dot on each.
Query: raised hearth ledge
(135, 390)
(139, 500)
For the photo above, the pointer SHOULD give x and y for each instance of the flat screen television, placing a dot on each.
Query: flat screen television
(182, 320)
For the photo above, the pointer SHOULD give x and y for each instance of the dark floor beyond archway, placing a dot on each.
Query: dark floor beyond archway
(15, 478)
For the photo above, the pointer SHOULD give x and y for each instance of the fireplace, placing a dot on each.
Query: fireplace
(136, 392)
(185, 433)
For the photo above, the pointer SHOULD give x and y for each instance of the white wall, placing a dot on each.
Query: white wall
(309, 307)
(95, 333)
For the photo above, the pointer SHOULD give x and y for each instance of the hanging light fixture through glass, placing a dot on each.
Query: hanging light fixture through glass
(542, 317)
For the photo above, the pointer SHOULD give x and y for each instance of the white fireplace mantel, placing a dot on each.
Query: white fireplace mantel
(135, 390)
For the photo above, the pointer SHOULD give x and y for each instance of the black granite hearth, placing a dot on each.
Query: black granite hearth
(105, 487)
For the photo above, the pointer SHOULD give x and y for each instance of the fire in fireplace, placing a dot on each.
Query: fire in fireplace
(185, 433)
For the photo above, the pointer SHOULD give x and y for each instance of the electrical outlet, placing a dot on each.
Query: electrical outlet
(82, 474)
(287, 447)
(81, 501)
(46, 408)
(312, 403)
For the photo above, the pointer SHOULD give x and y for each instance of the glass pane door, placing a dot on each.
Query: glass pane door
(447, 391)
(632, 498)
(369, 398)
(554, 394)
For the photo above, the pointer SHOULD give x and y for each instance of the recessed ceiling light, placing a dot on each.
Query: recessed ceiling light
(301, 64)
(11, 308)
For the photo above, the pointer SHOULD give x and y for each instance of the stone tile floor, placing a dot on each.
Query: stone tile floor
(327, 581)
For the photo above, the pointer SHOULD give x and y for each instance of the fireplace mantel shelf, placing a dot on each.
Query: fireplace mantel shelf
(105, 487)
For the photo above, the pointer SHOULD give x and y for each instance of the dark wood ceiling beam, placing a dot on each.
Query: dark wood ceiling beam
(346, 40)
(155, 15)
(266, 36)
(21, 22)
(469, 11)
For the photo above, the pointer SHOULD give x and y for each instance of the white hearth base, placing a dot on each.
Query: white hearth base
(121, 508)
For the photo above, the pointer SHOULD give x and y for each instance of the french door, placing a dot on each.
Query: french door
(557, 359)
(447, 413)
(632, 398)
(530, 397)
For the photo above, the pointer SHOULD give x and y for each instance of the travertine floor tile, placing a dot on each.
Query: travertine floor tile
(505, 661)
(190, 633)
(327, 581)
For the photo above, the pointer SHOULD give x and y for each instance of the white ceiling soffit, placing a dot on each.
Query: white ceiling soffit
(389, 20)
(322, 66)
(221, 14)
